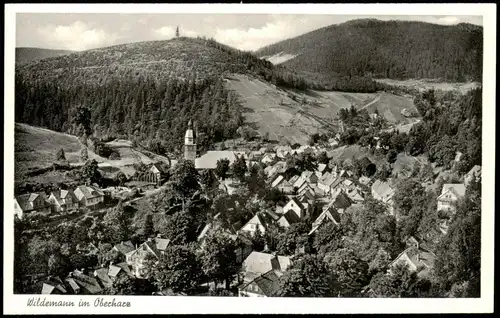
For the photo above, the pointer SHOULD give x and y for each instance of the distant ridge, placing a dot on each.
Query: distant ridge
(386, 49)
(29, 54)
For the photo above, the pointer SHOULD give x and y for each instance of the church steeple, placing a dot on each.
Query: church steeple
(189, 143)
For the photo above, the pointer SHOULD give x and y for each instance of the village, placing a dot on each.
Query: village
(318, 196)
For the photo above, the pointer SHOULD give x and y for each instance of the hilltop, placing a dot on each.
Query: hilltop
(145, 92)
(29, 54)
(385, 49)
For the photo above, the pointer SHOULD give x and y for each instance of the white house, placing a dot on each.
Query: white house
(449, 196)
(297, 206)
(89, 196)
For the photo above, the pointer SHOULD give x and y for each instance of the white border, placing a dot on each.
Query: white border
(16, 304)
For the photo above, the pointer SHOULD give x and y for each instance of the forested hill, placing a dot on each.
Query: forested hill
(145, 91)
(28, 54)
(387, 49)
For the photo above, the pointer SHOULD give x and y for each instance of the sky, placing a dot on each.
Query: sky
(83, 31)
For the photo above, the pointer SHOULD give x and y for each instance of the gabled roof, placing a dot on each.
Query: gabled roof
(89, 192)
(161, 243)
(322, 167)
(299, 182)
(277, 181)
(124, 247)
(457, 188)
(298, 203)
(268, 283)
(86, 282)
(383, 189)
(210, 158)
(102, 275)
(293, 179)
(289, 218)
(53, 285)
(25, 200)
(261, 263)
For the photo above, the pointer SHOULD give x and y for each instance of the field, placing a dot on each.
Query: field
(36, 147)
(423, 84)
(282, 114)
(279, 58)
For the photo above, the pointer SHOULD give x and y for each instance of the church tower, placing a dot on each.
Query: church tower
(189, 144)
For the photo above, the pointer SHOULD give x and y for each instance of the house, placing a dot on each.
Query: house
(364, 180)
(293, 179)
(264, 285)
(124, 247)
(259, 221)
(323, 168)
(63, 201)
(268, 158)
(296, 206)
(310, 176)
(53, 286)
(153, 247)
(288, 218)
(473, 174)
(450, 194)
(89, 196)
(355, 195)
(102, 275)
(159, 173)
(299, 183)
(119, 269)
(83, 284)
(30, 204)
(258, 263)
(417, 259)
(383, 191)
(283, 151)
(329, 214)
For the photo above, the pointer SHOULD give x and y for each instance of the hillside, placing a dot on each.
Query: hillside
(146, 92)
(36, 148)
(385, 49)
(28, 54)
(295, 115)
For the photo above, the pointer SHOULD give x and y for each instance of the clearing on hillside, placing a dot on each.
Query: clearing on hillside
(294, 115)
(423, 84)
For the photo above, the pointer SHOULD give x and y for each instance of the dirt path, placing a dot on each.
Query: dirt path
(371, 103)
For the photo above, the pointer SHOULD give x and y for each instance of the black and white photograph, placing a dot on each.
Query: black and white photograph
(281, 155)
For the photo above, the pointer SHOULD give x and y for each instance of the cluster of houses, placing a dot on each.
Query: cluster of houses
(59, 201)
(319, 196)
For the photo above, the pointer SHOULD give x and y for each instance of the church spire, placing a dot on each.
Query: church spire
(189, 143)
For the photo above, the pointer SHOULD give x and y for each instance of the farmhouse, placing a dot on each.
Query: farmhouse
(89, 196)
(63, 200)
(31, 203)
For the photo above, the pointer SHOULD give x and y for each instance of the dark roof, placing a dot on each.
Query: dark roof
(291, 217)
(124, 247)
(102, 275)
(342, 201)
(267, 283)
